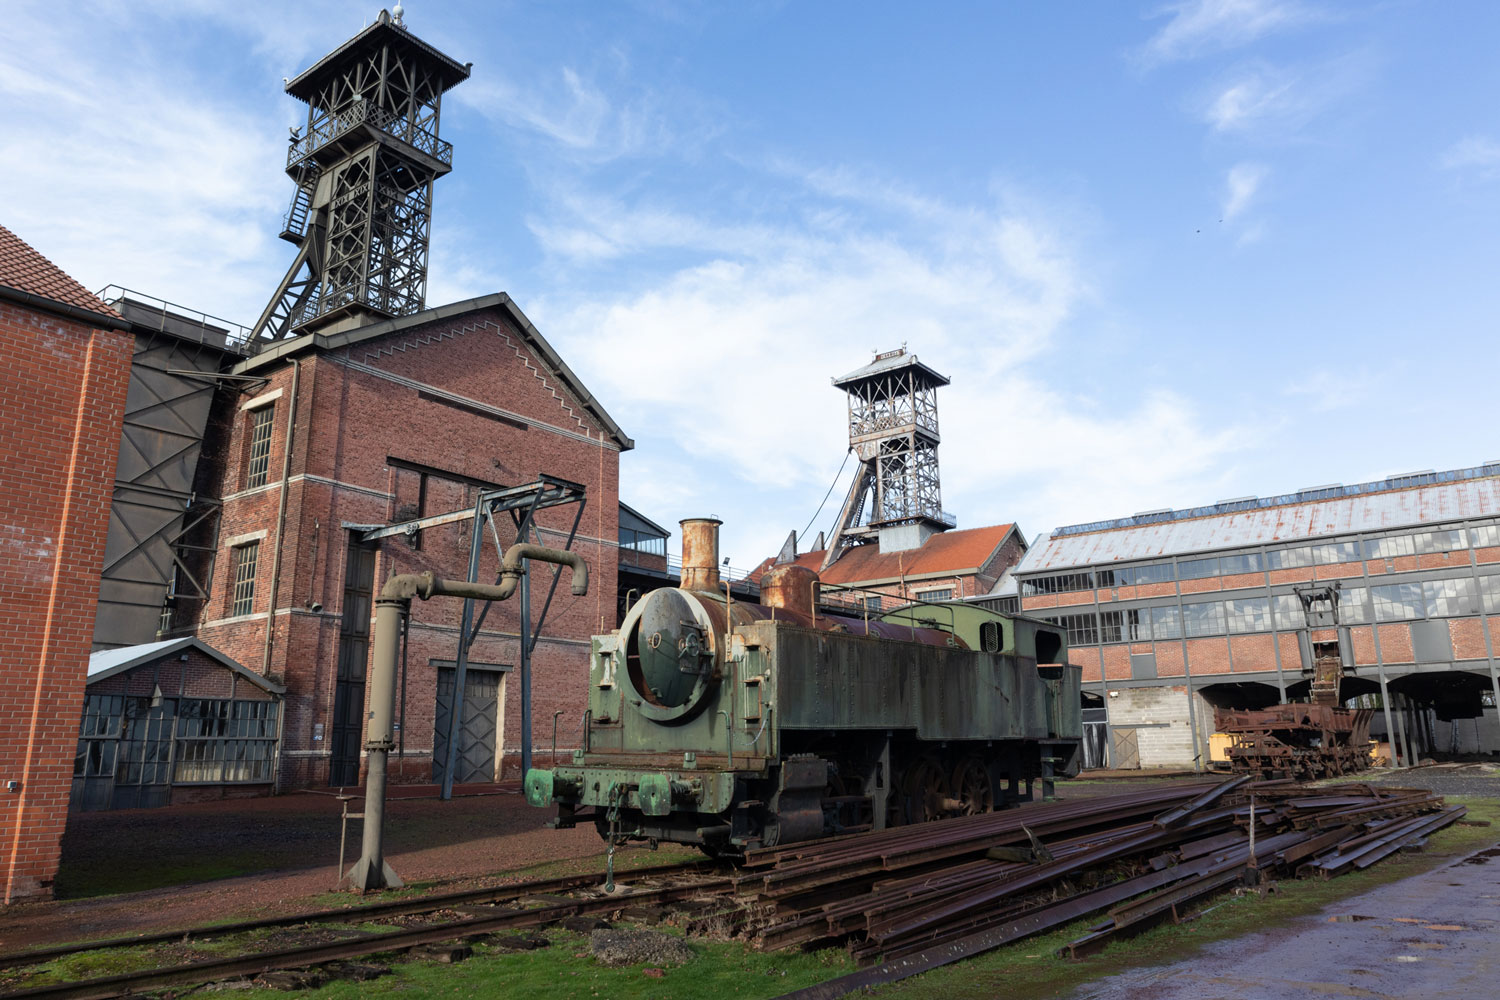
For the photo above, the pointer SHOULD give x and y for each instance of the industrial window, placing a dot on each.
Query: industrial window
(1249, 615)
(1445, 598)
(1389, 547)
(1166, 623)
(1203, 619)
(245, 557)
(1397, 602)
(1429, 542)
(1134, 576)
(1083, 630)
(225, 741)
(1197, 569)
(644, 542)
(1289, 612)
(945, 594)
(1354, 606)
(1484, 535)
(1289, 558)
(1058, 584)
(1249, 562)
(872, 603)
(1333, 553)
(1489, 593)
(260, 447)
(1111, 627)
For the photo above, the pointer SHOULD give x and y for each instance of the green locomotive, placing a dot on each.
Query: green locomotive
(733, 725)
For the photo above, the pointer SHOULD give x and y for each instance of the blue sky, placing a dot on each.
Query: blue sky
(1169, 253)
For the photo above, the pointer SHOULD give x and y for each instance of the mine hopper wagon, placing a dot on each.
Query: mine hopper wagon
(732, 725)
(1301, 741)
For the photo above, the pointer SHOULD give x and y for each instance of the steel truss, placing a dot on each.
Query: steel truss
(363, 166)
(522, 504)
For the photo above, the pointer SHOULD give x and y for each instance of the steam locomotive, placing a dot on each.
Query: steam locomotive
(732, 725)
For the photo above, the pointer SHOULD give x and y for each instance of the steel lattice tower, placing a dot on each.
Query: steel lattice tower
(893, 431)
(364, 167)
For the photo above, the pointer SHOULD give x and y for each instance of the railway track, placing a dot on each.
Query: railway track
(903, 900)
(679, 881)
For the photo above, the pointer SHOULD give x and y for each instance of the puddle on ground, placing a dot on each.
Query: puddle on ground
(1349, 918)
(1444, 927)
(1408, 958)
(1482, 858)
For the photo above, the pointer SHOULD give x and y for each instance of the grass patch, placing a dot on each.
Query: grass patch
(565, 971)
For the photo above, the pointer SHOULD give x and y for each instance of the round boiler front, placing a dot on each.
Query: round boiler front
(671, 655)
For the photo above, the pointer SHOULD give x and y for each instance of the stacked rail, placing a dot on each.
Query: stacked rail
(914, 898)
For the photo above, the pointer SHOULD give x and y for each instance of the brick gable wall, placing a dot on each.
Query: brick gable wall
(463, 395)
(62, 400)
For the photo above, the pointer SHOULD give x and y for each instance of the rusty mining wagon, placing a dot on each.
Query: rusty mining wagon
(1316, 739)
(732, 725)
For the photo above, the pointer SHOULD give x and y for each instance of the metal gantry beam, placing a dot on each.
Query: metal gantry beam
(522, 503)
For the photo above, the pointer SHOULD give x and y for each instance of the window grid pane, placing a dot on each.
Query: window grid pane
(1397, 602)
(1354, 606)
(245, 558)
(1445, 598)
(260, 447)
(1203, 619)
(1250, 615)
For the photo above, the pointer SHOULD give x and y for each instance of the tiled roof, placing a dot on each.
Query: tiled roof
(25, 270)
(946, 552)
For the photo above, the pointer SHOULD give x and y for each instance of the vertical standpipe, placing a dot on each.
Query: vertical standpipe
(371, 870)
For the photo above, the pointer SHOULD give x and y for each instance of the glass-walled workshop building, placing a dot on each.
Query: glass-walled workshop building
(1173, 612)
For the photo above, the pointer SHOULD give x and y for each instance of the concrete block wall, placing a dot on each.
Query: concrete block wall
(61, 400)
(1159, 717)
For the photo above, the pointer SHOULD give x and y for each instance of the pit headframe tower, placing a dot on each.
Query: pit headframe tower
(893, 431)
(364, 166)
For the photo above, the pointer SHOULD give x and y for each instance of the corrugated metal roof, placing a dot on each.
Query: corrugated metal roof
(880, 366)
(109, 662)
(1433, 504)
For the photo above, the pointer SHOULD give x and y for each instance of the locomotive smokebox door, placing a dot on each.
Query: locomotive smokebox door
(671, 657)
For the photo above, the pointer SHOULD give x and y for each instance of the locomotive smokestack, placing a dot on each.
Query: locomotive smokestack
(700, 553)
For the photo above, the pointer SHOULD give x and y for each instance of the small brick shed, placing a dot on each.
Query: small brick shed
(174, 721)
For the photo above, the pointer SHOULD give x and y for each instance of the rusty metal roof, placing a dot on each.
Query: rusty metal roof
(1440, 497)
(946, 553)
(26, 270)
(889, 362)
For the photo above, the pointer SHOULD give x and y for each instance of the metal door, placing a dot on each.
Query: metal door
(347, 732)
(1126, 752)
(477, 729)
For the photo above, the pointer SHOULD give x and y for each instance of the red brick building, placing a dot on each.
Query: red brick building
(1173, 613)
(67, 363)
(947, 565)
(334, 433)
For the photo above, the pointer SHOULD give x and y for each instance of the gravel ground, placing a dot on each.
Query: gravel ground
(1445, 779)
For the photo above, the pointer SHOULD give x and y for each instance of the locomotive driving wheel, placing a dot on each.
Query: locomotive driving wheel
(972, 787)
(928, 792)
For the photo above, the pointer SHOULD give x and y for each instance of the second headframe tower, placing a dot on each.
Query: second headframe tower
(364, 166)
(893, 431)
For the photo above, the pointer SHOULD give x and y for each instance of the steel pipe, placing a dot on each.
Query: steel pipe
(371, 870)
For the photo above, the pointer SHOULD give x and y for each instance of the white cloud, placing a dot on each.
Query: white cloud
(1198, 27)
(724, 362)
(1258, 94)
(1241, 185)
(1477, 154)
